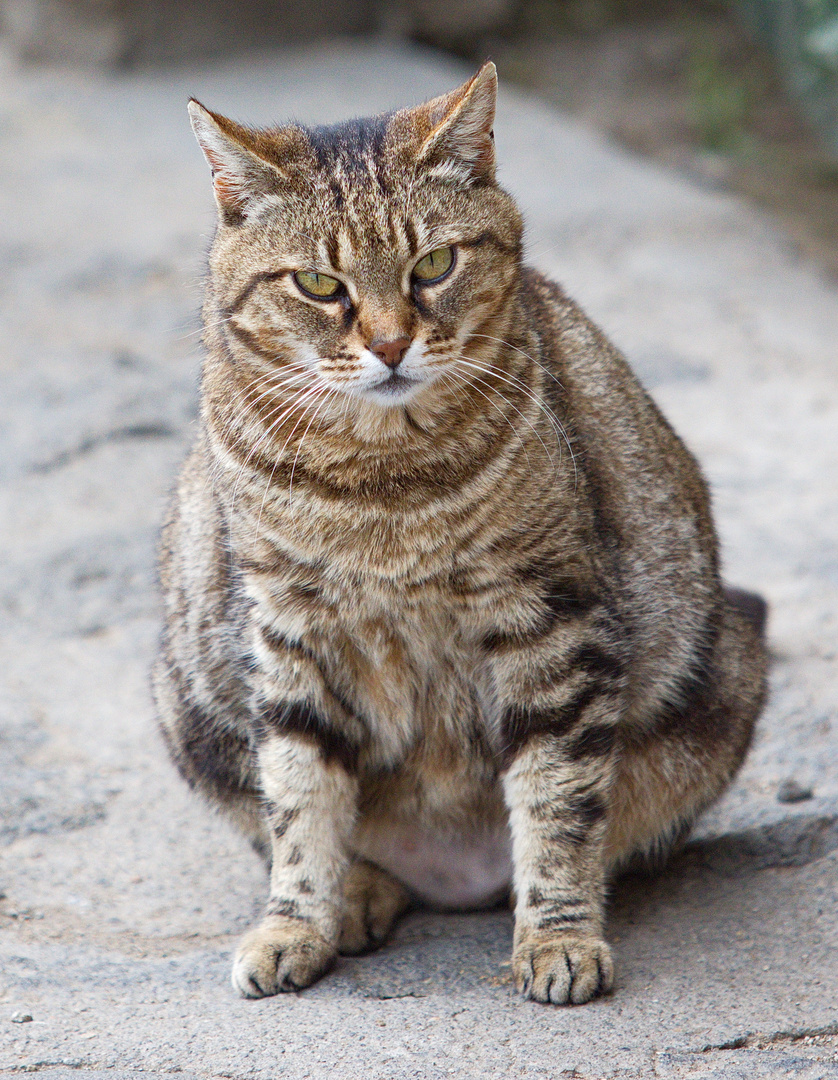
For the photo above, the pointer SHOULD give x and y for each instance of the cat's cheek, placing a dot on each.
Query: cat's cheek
(306, 360)
(458, 318)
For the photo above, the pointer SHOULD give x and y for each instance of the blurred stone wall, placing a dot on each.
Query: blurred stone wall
(129, 32)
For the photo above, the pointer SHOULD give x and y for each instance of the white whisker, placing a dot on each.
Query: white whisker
(470, 382)
(553, 420)
(274, 383)
(330, 393)
(532, 359)
(313, 391)
(273, 426)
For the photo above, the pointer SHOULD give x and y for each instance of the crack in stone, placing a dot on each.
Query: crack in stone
(105, 1070)
(738, 1043)
(779, 1038)
(395, 997)
(87, 446)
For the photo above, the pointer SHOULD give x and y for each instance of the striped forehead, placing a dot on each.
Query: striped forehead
(368, 224)
(350, 144)
(370, 234)
(350, 158)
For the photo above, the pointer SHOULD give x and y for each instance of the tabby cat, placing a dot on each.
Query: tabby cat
(444, 621)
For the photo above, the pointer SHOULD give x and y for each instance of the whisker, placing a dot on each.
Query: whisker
(470, 382)
(274, 380)
(273, 384)
(522, 415)
(330, 393)
(550, 375)
(532, 359)
(515, 383)
(545, 408)
(274, 419)
(273, 426)
(311, 392)
(205, 326)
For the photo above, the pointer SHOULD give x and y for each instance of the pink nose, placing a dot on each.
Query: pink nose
(390, 353)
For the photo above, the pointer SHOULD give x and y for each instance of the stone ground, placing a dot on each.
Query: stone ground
(122, 895)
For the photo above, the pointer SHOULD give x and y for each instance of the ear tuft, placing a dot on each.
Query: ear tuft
(462, 140)
(238, 174)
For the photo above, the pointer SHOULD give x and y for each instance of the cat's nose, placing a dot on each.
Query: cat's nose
(390, 353)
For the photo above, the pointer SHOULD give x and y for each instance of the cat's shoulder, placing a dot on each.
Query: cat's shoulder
(572, 342)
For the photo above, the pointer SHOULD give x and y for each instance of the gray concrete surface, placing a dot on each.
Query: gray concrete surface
(122, 895)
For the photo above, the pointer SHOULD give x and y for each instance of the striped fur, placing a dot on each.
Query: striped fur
(445, 633)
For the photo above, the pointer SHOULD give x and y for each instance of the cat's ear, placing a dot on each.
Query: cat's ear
(240, 174)
(463, 120)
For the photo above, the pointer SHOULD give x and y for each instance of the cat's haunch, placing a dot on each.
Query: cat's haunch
(444, 619)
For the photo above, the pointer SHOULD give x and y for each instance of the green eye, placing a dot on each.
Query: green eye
(320, 286)
(434, 266)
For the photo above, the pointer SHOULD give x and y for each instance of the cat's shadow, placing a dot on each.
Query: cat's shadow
(652, 918)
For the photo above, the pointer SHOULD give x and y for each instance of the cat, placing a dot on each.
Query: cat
(443, 614)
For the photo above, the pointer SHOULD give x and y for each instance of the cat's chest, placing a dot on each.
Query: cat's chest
(413, 673)
(406, 660)
(435, 817)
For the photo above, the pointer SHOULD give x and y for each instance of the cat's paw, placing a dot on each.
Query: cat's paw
(373, 900)
(280, 954)
(562, 970)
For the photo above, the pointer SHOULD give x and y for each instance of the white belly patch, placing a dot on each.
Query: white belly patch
(455, 872)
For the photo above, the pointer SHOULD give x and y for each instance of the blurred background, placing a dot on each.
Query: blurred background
(741, 94)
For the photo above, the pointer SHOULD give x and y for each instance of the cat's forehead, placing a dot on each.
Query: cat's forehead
(362, 194)
(356, 166)
(351, 145)
(362, 164)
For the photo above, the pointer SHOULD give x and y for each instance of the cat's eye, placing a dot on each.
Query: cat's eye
(320, 286)
(434, 266)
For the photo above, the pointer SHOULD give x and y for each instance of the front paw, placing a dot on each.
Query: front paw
(562, 969)
(280, 954)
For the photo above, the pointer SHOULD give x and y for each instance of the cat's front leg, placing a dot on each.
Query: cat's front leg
(310, 806)
(559, 740)
(308, 746)
(557, 808)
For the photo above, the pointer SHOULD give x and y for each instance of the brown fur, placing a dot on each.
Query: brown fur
(458, 630)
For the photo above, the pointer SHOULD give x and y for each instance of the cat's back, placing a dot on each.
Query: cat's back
(648, 497)
(630, 456)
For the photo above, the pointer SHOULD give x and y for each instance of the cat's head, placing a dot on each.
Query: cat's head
(366, 258)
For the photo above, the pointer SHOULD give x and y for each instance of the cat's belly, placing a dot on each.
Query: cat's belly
(455, 872)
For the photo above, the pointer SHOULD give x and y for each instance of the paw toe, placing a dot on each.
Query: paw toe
(563, 971)
(278, 955)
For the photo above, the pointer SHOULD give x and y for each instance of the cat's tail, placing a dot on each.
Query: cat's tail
(753, 606)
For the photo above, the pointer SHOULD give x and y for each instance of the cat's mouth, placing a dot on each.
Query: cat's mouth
(395, 385)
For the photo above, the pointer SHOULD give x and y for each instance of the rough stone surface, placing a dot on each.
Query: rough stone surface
(121, 895)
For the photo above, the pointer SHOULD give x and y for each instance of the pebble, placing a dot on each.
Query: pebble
(790, 792)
